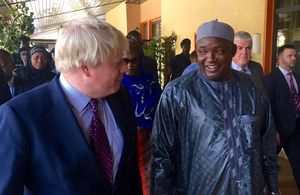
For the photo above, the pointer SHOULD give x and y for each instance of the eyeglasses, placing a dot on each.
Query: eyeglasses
(132, 61)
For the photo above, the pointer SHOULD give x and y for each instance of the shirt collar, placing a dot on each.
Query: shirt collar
(11, 81)
(77, 99)
(236, 67)
(284, 72)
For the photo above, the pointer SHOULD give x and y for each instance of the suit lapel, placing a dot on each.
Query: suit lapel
(120, 110)
(282, 81)
(252, 70)
(116, 107)
(64, 123)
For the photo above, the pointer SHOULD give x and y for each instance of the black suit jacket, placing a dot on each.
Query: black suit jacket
(282, 103)
(43, 147)
(150, 65)
(256, 69)
(21, 85)
(5, 94)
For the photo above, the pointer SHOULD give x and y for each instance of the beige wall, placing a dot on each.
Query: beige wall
(118, 17)
(184, 17)
(150, 9)
(127, 17)
(133, 16)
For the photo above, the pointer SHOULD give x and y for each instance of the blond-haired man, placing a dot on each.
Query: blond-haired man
(53, 139)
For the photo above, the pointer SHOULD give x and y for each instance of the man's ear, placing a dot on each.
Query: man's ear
(234, 48)
(85, 70)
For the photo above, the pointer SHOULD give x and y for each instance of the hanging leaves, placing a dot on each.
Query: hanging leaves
(20, 24)
(161, 49)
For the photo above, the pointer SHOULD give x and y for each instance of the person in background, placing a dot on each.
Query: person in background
(241, 60)
(145, 93)
(24, 45)
(6, 64)
(24, 42)
(38, 71)
(23, 52)
(77, 133)
(213, 131)
(282, 86)
(4, 89)
(194, 65)
(179, 62)
(149, 64)
(52, 53)
(193, 57)
(17, 59)
(16, 84)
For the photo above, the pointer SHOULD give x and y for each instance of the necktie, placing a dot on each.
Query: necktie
(243, 70)
(99, 142)
(294, 92)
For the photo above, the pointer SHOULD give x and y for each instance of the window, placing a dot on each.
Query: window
(151, 29)
(287, 27)
(156, 29)
(144, 30)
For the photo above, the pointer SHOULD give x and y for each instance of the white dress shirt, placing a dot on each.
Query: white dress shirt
(287, 78)
(236, 67)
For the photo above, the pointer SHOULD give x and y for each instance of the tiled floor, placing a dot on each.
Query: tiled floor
(286, 180)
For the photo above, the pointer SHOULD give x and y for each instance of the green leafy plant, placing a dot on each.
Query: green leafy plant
(21, 23)
(162, 49)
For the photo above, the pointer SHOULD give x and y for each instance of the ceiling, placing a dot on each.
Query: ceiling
(50, 15)
(135, 1)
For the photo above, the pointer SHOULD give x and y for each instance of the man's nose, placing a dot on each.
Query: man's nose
(244, 51)
(123, 67)
(210, 57)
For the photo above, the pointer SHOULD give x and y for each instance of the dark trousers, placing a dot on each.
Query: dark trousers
(291, 146)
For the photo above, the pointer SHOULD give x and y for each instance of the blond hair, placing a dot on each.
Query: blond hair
(88, 42)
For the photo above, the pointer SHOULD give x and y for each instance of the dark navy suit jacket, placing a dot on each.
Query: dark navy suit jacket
(256, 69)
(282, 103)
(42, 146)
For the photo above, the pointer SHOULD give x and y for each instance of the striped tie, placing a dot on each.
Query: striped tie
(294, 92)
